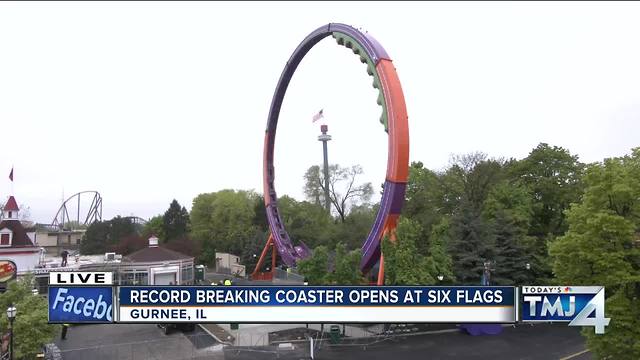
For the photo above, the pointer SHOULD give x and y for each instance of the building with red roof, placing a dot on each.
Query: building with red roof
(16, 244)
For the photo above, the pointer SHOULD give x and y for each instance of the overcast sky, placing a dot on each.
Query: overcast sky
(146, 102)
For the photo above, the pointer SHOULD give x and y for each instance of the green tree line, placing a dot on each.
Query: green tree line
(544, 219)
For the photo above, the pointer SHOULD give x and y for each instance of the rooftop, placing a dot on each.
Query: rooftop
(52, 262)
(155, 254)
(20, 237)
(11, 204)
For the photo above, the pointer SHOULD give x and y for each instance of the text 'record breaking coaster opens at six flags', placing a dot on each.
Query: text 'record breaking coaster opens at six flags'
(92, 297)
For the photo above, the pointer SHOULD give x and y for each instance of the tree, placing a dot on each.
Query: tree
(305, 221)
(315, 267)
(184, 245)
(508, 209)
(129, 244)
(102, 236)
(402, 263)
(602, 247)
(553, 176)
(25, 212)
(252, 249)
(472, 176)
(222, 221)
(621, 338)
(425, 200)
(175, 221)
(94, 240)
(260, 214)
(119, 227)
(31, 322)
(154, 227)
(441, 261)
(355, 228)
(471, 244)
(346, 267)
(449, 205)
(343, 191)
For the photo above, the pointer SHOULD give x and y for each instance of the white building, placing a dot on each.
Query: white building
(229, 264)
(56, 241)
(15, 243)
(155, 265)
(152, 265)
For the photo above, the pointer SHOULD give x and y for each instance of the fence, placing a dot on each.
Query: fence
(288, 351)
(287, 276)
(250, 339)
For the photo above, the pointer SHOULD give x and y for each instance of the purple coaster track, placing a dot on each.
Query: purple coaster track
(394, 118)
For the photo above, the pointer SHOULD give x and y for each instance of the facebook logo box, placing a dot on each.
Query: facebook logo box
(80, 304)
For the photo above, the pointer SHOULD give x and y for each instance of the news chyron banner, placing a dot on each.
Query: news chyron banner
(317, 304)
(81, 297)
(91, 297)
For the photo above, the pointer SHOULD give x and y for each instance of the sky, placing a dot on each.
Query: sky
(148, 102)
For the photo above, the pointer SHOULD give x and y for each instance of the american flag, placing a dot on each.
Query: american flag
(318, 116)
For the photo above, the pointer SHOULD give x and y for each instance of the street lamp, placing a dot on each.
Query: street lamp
(440, 277)
(11, 315)
(528, 266)
(487, 268)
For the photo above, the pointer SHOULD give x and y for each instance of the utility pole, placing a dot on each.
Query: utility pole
(324, 137)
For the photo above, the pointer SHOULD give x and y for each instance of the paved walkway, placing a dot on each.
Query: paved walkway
(258, 334)
(146, 341)
(254, 334)
(135, 341)
(540, 342)
(219, 333)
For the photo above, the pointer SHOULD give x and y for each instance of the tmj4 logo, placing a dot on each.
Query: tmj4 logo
(575, 308)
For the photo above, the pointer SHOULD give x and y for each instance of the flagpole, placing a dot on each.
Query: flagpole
(11, 177)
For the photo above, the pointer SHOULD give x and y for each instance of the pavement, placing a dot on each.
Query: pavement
(219, 333)
(136, 341)
(525, 342)
(262, 334)
(259, 334)
(146, 341)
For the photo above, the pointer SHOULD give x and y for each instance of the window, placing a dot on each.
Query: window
(132, 277)
(5, 239)
(126, 278)
(187, 273)
(10, 215)
(142, 278)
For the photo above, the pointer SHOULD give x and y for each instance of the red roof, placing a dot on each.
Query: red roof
(20, 237)
(11, 204)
